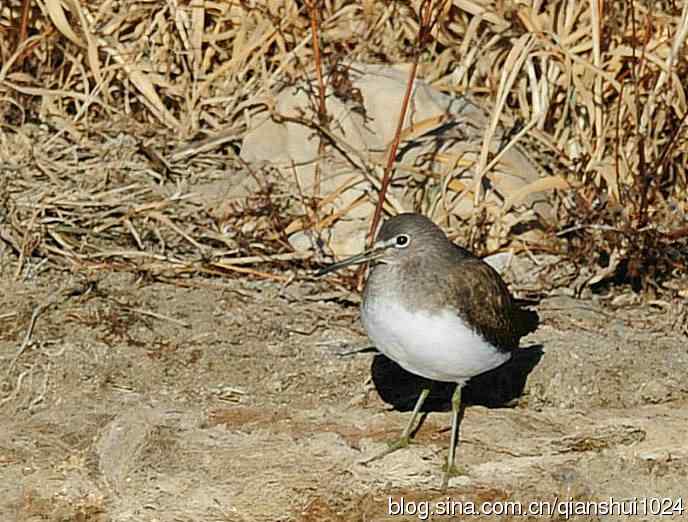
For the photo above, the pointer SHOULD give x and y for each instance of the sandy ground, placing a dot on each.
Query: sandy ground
(211, 400)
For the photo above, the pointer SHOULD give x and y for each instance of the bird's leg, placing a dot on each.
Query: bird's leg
(405, 437)
(456, 410)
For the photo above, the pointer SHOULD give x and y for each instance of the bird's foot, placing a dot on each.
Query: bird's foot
(392, 446)
(453, 471)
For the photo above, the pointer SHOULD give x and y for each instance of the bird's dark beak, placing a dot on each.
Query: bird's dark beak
(371, 254)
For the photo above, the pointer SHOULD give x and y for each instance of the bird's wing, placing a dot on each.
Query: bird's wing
(483, 300)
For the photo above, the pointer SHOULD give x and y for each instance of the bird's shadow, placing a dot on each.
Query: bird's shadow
(494, 389)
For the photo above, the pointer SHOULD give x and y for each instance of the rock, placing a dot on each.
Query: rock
(436, 158)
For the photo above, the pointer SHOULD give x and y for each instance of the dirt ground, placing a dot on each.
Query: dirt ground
(211, 400)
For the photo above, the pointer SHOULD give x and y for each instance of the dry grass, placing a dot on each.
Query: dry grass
(110, 111)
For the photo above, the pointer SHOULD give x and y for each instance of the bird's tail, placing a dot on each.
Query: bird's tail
(528, 320)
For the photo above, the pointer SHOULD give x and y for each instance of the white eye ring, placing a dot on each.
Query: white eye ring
(402, 241)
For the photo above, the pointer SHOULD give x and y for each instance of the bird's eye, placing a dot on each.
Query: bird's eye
(402, 241)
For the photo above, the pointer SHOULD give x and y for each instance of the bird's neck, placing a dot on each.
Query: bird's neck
(402, 282)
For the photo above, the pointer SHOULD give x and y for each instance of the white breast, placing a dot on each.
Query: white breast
(436, 346)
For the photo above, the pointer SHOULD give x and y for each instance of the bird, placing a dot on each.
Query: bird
(437, 310)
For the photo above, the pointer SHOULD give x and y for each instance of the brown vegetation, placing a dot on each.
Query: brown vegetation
(104, 104)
